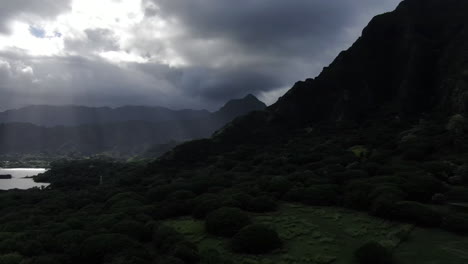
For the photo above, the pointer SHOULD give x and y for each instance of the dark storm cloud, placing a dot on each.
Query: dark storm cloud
(295, 27)
(77, 80)
(95, 81)
(29, 10)
(227, 48)
(275, 43)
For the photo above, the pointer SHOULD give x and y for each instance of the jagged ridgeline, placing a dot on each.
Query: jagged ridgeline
(367, 163)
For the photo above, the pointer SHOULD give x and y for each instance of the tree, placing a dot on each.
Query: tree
(226, 221)
(256, 239)
(373, 253)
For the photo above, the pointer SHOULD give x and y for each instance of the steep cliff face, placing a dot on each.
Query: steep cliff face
(407, 62)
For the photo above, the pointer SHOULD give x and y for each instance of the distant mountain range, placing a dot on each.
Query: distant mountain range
(47, 115)
(123, 131)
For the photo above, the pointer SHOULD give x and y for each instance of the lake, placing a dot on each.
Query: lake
(18, 181)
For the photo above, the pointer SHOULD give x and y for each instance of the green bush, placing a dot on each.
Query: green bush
(186, 252)
(202, 207)
(322, 194)
(373, 253)
(417, 213)
(165, 237)
(171, 260)
(242, 199)
(97, 248)
(12, 258)
(262, 204)
(279, 185)
(371, 167)
(30, 248)
(383, 199)
(457, 194)
(456, 222)
(417, 149)
(256, 239)
(348, 175)
(180, 195)
(212, 256)
(161, 192)
(226, 221)
(70, 241)
(127, 260)
(48, 259)
(421, 187)
(131, 228)
(169, 209)
(462, 172)
(440, 169)
(356, 194)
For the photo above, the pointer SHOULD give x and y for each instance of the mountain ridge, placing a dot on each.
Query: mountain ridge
(127, 138)
(75, 115)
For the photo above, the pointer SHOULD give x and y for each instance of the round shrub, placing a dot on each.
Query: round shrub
(321, 194)
(256, 239)
(213, 256)
(165, 237)
(383, 204)
(187, 252)
(383, 198)
(356, 194)
(279, 184)
(416, 149)
(180, 195)
(171, 260)
(373, 253)
(457, 223)
(131, 228)
(169, 209)
(417, 213)
(242, 200)
(226, 221)
(457, 194)
(96, 248)
(70, 241)
(12, 258)
(422, 187)
(348, 175)
(205, 204)
(262, 204)
(48, 259)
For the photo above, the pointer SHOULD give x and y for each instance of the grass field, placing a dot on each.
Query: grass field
(322, 235)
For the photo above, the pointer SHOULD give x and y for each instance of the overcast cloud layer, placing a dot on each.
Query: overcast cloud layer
(173, 53)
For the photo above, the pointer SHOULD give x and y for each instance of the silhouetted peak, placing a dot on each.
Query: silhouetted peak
(238, 107)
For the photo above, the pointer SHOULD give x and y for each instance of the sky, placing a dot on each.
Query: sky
(174, 53)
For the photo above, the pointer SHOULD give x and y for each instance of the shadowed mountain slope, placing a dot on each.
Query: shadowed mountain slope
(408, 64)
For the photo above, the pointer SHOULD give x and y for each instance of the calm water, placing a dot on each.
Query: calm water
(18, 181)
